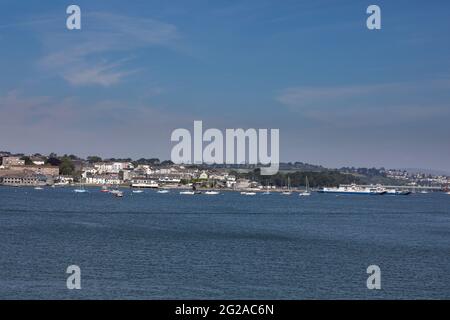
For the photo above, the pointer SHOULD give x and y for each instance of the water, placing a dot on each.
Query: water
(228, 246)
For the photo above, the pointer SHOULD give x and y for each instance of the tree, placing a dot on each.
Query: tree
(53, 161)
(94, 159)
(27, 160)
(66, 167)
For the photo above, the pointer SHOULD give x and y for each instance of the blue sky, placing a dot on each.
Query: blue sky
(339, 93)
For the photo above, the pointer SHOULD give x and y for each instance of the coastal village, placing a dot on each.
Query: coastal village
(53, 170)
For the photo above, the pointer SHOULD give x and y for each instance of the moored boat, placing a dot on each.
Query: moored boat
(187, 192)
(356, 190)
(305, 193)
(211, 192)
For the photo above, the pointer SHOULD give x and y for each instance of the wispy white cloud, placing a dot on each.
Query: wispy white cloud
(89, 56)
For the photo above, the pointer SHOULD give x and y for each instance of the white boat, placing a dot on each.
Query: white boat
(354, 189)
(187, 192)
(80, 190)
(118, 194)
(212, 192)
(115, 191)
(305, 193)
(250, 193)
(288, 192)
(394, 192)
(448, 193)
(163, 191)
(137, 191)
(38, 188)
(266, 193)
(424, 192)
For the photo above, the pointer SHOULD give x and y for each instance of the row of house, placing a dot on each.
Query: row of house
(115, 173)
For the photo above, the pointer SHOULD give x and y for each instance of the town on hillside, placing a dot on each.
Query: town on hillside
(66, 170)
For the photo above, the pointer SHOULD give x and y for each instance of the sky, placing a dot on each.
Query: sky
(340, 94)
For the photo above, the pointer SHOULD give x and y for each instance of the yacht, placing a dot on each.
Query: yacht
(394, 192)
(306, 192)
(81, 189)
(187, 192)
(212, 192)
(288, 192)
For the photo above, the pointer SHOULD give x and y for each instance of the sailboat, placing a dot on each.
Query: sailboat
(267, 192)
(288, 192)
(81, 189)
(306, 192)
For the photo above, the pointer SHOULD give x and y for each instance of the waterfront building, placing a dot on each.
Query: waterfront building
(12, 161)
(23, 180)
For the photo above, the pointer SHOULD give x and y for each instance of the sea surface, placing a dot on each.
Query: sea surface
(227, 246)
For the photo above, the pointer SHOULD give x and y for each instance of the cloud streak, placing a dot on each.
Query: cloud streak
(377, 104)
(89, 56)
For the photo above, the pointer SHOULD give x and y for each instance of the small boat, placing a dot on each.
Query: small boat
(163, 191)
(187, 192)
(118, 194)
(80, 190)
(212, 192)
(250, 193)
(105, 189)
(306, 192)
(38, 188)
(266, 193)
(395, 192)
(137, 191)
(448, 193)
(288, 192)
(115, 191)
(424, 191)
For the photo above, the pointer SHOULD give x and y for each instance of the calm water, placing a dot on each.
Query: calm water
(158, 246)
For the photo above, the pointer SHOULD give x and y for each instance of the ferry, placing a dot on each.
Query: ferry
(354, 189)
